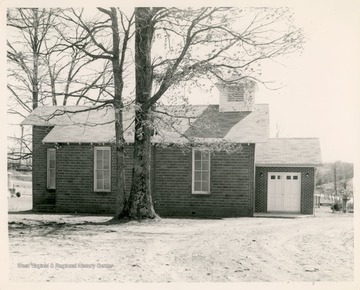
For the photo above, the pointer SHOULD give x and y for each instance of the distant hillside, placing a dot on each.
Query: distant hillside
(340, 183)
(326, 173)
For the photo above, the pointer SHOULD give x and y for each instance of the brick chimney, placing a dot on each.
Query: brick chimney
(236, 94)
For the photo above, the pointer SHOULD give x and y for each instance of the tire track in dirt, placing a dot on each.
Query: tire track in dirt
(186, 250)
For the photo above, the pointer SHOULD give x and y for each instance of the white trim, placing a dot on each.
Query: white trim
(96, 149)
(193, 173)
(283, 174)
(48, 153)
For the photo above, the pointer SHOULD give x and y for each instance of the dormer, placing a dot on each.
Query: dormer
(236, 94)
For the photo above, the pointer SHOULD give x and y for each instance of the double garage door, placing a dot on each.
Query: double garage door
(284, 191)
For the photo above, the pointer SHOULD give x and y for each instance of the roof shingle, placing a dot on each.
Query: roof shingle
(289, 152)
(200, 122)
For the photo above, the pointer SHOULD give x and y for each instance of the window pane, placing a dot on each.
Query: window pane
(272, 176)
(205, 165)
(99, 175)
(99, 154)
(99, 184)
(52, 154)
(197, 165)
(288, 177)
(197, 175)
(106, 164)
(99, 164)
(106, 184)
(205, 186)
(197, 186)
(197, 155)
(205, 176)
(52, 182)
(279, 177)
(106, 174)
(295, 177)
(106, 154)
(205, 155)
(106, 160)
(52, 178)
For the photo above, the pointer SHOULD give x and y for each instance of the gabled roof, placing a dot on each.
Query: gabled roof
(77, 124)
(201, 122)
(61, 115)
(289, 152)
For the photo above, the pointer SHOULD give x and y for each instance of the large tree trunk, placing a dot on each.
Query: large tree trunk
(139, 205)
(118, 107)
(120, 164)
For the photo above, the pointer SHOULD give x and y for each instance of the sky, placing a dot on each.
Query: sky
(321, 98)
(319, 94)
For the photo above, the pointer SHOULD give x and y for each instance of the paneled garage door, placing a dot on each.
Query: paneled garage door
(284, 191)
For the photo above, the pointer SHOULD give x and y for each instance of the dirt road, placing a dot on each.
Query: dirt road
(181, 250)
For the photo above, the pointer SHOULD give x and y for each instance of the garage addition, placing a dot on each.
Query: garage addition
(285, 175)
(284, 192)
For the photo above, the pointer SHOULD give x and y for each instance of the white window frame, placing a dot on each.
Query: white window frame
(193, 172)
(96, 149)
(49, 170)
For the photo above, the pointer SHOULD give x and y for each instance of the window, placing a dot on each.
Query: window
(51, 168)
(102, 162)
(201, 172)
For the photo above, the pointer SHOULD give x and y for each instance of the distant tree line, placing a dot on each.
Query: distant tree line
(335, 172)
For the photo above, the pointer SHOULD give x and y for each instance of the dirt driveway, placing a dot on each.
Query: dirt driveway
(81, 248)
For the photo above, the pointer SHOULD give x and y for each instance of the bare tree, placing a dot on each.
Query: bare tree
(172, 47)
(115, 52)
(207, 42)
(31, 27)
(43, 69)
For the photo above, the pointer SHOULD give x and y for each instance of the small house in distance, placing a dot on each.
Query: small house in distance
(74, 161)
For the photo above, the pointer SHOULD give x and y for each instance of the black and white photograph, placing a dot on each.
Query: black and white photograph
(209, 143)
